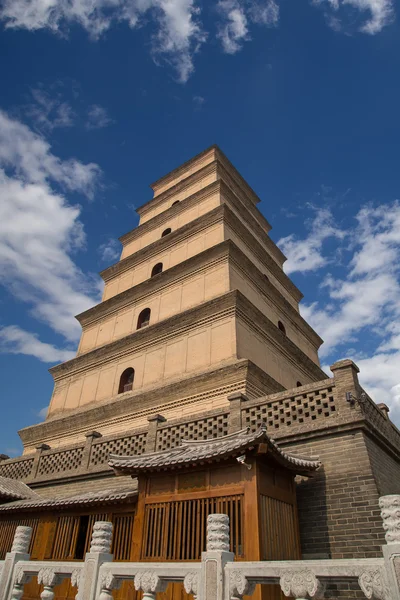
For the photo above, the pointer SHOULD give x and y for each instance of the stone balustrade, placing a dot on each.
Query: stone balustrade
(216, 577)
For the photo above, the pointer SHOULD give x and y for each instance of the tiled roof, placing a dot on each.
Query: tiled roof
(11, 489)
(192, 452)
(89, 498)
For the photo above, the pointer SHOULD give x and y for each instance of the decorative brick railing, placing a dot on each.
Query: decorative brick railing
(16, 468)
(52, 462)
(281, 411)
(170, 436)
(217, 577)
(127, 445)
(336, 401)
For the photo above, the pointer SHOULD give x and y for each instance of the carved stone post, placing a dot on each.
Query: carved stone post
(390, 513)
(239, 586)
(191, 584)
(19, 551)
(151, 437)
(49, 579)
(150, 584)
(301, 584)
(214, 559)
(20, 580)
(235, 411)
(108, 583)
(87, 450)
(100, 552)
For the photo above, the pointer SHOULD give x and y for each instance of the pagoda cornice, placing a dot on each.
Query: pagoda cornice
(188, 389)
(251, 215)
(232, 304)
(219, 214)
(225, 250)
(219, 158)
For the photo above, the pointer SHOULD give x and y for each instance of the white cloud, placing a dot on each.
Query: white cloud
(380, 13)
(363, 306)
(39, 232)
(307, 254)
(49, 111)
(29, 156)
(233, 31)
(14, 340)
(110, 251)
(97, 117)
(178, 32)
(236, 18)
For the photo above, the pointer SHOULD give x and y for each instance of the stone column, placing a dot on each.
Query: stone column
(19, 551)
(151, 438)
(235, 411)
(100, 552)
(87, 450)
(214, 559)
(390, 513)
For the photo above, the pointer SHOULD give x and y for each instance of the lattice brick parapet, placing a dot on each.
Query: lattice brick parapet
(201, 429)
(129, 445)
(298, 409)
(65, 460)
(18, 469)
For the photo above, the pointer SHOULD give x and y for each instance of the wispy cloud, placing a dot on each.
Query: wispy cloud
(178, 29)
(307, 254)
(374, 15)
(177, 37)
(110, 251)
(48, 110)
(97, 117)
(39, 233)
(14, 340)
(236, 18)
(359, 303)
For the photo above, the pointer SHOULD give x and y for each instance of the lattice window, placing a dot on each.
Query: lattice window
(202, 429)
(65, 460)
(132, 445)
(295, 410)
(178, 530)
(16, 470)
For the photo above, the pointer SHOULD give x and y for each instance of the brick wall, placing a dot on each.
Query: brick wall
(338, 508)
(385, 468)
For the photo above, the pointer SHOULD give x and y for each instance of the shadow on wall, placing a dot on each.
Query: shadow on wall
(312, 508)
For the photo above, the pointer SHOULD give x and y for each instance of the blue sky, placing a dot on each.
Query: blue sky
(301, 95)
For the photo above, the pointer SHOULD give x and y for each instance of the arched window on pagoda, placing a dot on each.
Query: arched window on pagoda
(282, 327)
(176, 202)
(166, 231)
(126, 380)
(157, 269)
(299, 384)
(143, 318)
